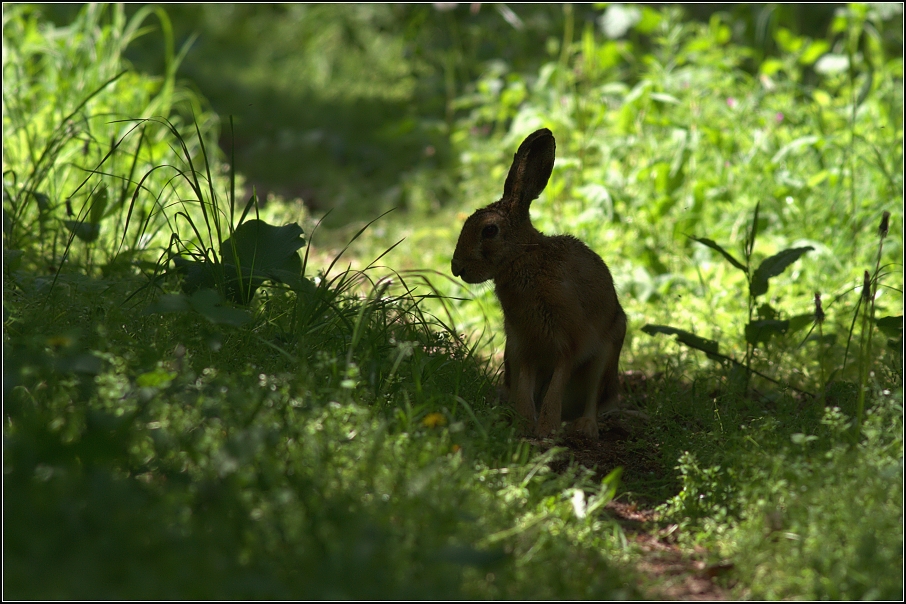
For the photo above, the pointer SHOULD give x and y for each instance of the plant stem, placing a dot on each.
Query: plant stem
(868, 316)
(819, 319)
(823, 385)
(567, 35)
(864, 351)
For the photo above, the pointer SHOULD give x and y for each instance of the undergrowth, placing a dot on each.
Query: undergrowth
(200, 402)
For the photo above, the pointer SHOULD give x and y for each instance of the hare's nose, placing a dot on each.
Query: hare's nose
(456, 267)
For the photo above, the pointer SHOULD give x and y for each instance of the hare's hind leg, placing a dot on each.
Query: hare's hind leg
(552, 408)
(587, 425)
(610, 385)
(521, 383)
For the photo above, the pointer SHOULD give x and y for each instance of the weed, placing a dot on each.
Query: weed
(316, 425)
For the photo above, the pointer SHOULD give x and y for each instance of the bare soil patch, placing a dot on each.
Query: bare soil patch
(674, 572)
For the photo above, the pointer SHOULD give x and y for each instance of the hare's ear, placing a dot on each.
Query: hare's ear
(531, 169)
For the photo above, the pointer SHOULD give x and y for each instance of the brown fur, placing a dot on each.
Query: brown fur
(563, 322)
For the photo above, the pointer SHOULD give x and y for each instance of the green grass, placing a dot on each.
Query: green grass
(338, 434)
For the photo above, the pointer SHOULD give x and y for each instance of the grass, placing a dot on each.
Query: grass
(336, 434)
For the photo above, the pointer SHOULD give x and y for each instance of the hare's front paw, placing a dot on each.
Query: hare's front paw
(547, 425)
(543, 430)
(524, 427)
(587, 427)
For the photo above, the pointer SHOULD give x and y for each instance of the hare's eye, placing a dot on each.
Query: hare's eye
(489, 232)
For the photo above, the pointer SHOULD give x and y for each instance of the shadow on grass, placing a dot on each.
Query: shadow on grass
(350, 155)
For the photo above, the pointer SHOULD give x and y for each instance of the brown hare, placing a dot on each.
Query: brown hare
(564, 325)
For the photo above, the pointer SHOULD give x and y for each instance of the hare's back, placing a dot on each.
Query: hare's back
(583, 270)
(560, 270)
(559, 289)
(563, 279)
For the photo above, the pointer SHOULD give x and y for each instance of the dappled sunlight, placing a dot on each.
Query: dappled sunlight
(238, 365)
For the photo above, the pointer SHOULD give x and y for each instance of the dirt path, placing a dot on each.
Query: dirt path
(672, 572)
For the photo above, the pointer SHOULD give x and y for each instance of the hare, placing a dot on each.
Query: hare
(564, 325)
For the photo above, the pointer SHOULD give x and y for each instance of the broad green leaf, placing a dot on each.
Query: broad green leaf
(263, 245)
(773, 266)
(689, 339)
(761, 331)
(891, 327)
(86, 231)
(800, 322)
(714, 246)
(261, 251)
(98, 204)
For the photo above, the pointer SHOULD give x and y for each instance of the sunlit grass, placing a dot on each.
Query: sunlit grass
(339, 435)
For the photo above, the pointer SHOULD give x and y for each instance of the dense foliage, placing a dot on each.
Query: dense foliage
(202, 403)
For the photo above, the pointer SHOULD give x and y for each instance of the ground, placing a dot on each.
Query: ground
(676, 573)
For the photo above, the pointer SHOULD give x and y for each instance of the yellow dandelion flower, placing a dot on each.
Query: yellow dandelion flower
(59, 341)
(432, 420)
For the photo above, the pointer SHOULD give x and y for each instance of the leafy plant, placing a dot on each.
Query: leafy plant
(256, 251)
(345, 416)
(870, 285)
(66, 92)
(757, 330)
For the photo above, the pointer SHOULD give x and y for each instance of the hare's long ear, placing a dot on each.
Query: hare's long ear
(531, 169)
